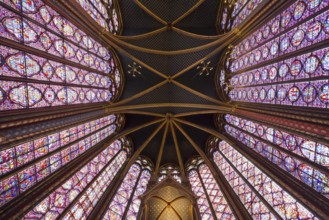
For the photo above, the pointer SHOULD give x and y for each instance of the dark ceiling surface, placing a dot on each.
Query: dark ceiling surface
(138, 21)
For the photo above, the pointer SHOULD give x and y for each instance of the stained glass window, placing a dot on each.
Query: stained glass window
(224, 19)
(246, 179)
(210, 198)
(26, 164)
(242, 9)
(126, 202)
(61, 65)
(169, 170)
(265, 67)
(79, 192)
(103, 12)
(284, 149)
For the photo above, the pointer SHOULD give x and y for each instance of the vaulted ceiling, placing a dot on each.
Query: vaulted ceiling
(170, 51)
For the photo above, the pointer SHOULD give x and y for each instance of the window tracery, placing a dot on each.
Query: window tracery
(81, 184)
(24, 165)
(126, 202)
(237, 11)
(169, 170)
(210, 198)
(88, 73)
(75, 69)
(242, 9)
(103, 12)
(252, 185)
(260, 138)
(265, 68)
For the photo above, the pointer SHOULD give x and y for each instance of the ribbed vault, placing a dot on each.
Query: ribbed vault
(160, 91)
(175, 68)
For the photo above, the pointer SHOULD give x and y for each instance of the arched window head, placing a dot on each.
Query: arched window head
(169, 170)
(59, 65)
(236, 12)
(104, 12)
(274, 65)
(193, 163)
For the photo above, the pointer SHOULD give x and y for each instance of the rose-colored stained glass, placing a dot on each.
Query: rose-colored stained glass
(285, 79)
(47, 154)
(227, 158)
(103, 12)
(169, 169)
(247, 194)
(244, 130)
(88, 200)
(210, 197)
(126, 202)
(242, 9)
(92, 75)
(109, 161)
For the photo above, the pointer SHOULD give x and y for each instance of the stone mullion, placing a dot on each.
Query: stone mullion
(240, 213)
(258, 10)
(278, 83)
(307, 196)
(141, 211)
(19, 13)
(81, 19)
(234, 201)
(27, 80)
(106, 199)
(24, 112)
(118, 92)
(108, 12)
(312, 131)
(261, 198)
(196, 211)
(39, 159)
(302, 159)
(213, 212)
(22, 133)
(270, 14)
(228, 192)
(271, 8)
(132, 194)
(79, 15)
(304, 50)
(43, 54)
(119, 14)
(241, 9)
(67, 209)
(25, 202)
(219, 17)
(99, 211)
(73, 12)
(278, 10)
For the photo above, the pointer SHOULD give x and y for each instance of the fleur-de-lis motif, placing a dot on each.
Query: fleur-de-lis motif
(134, 69)
(204, 68)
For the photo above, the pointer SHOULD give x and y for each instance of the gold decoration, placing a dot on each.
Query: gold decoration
(205, 68)
(134, 69)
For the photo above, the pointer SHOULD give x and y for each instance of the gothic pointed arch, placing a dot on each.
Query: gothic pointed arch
(166, 109)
